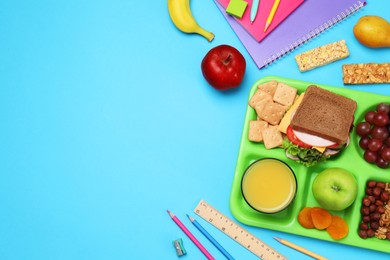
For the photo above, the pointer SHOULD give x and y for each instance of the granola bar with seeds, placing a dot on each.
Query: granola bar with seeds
(322, 55)
(367, 73)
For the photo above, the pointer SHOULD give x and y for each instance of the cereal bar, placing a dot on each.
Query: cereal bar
(322, 55)
(368, 73)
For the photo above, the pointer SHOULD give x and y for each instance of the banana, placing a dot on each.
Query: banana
(181, 15)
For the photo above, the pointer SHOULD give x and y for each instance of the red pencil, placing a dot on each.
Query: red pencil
(191, 236)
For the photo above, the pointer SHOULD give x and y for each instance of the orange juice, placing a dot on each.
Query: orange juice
(269, 185)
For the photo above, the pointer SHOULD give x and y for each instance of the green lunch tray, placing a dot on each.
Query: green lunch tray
(350, 159)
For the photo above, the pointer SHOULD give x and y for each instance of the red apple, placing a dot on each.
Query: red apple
(223, 67)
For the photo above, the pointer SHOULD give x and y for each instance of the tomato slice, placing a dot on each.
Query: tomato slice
(333, 146)
(291, 136)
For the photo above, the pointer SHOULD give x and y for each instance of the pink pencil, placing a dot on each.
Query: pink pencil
(191, 236)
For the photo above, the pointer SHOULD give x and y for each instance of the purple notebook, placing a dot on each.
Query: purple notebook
(310, 19)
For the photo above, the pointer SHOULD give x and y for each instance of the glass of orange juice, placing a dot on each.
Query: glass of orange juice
(269, 185)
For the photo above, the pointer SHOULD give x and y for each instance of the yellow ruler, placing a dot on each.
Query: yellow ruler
(236, 232)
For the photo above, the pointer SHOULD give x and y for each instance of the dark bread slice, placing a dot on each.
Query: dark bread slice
(324, 114)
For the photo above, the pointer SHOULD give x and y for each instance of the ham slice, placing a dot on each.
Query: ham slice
(313, 140)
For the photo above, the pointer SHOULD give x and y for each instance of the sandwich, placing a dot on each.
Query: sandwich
(317, 126)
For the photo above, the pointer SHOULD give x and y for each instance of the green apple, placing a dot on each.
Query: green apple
(335, 189)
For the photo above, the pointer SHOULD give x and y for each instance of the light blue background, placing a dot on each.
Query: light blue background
(107, 122)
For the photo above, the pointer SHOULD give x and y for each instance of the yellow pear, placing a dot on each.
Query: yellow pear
(372, 31)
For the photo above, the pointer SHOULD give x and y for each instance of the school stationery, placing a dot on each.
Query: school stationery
(254, 10)
(236, 8)
(310, 19)
(256, 29)
(190, 236)
(299, 248)
(178, 244)
(271, 14)
(210, 238)
(236, 232)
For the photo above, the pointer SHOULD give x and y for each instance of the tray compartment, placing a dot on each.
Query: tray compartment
(360, 118)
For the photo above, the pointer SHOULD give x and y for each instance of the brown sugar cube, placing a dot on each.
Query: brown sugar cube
(272, 137)
(272, 112)
(255, 129)
(268, 87)
(284, 94)
(258, 96)
(322, 55)
(369, 73)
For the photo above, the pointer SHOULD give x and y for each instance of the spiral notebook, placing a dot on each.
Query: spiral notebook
(285, 8)
(311, 18)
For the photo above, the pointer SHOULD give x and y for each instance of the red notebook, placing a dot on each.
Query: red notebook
(256, 29)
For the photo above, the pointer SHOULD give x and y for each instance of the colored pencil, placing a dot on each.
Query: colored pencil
(190, 236)
(254, 10)
(271, 14)
(209, 237)
(300, 249)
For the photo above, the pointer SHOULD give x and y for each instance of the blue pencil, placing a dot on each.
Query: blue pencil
(255, 7)
(209, 237)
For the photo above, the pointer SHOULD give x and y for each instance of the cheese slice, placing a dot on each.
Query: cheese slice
(286, 120)
(320, 149)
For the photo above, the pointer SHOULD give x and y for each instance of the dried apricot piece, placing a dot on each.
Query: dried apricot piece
(321, 218)
(304, 218)
(338, 229)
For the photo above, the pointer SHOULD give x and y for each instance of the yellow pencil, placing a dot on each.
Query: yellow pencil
(300, 249)
(271, 14)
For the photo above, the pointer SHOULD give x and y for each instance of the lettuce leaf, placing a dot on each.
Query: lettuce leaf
(307, 156)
